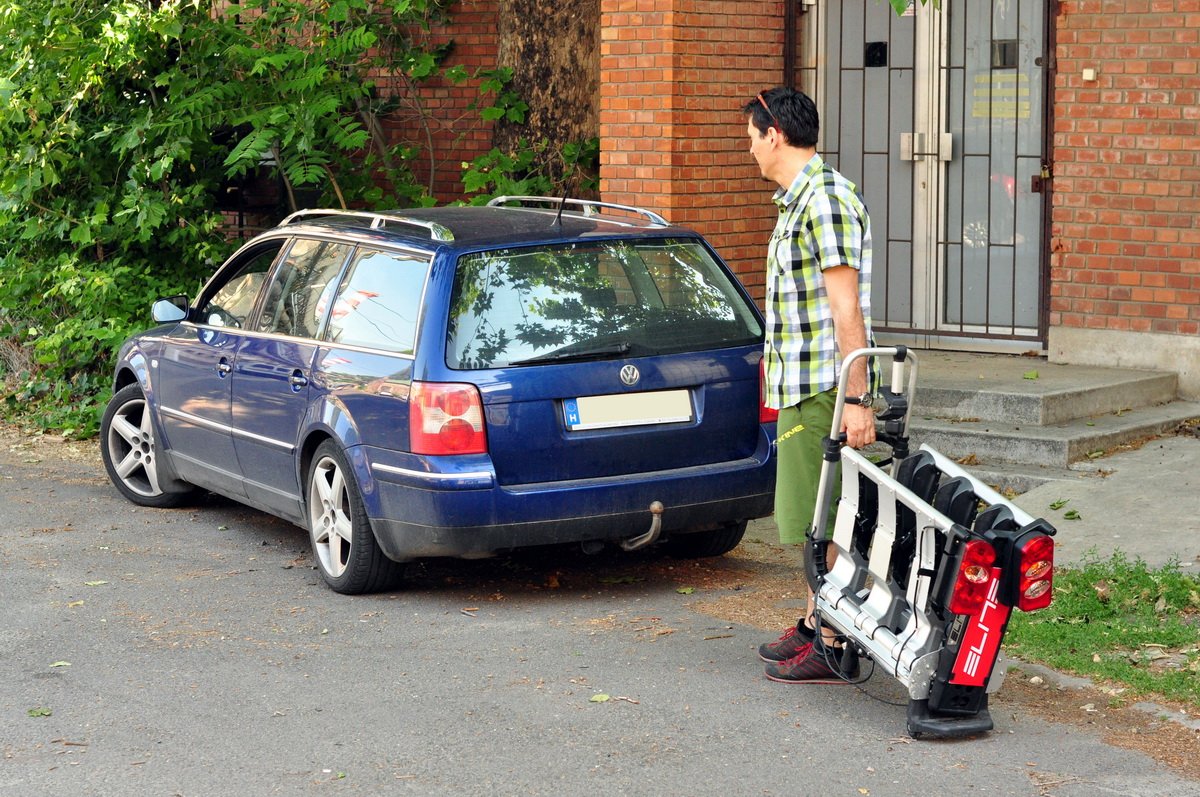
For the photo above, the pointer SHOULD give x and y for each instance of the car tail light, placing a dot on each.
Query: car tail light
(765, 413)
(446, 419)
(1036, 585)
(974, 577)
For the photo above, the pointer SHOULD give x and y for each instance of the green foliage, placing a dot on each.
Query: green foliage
(1119, 621)
(125, 123)
(507, 104)
(900, 6)
(534, 170)
(122, 123)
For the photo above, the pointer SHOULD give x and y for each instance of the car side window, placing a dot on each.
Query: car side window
(230, 304)
(293, 303)
(378, 302)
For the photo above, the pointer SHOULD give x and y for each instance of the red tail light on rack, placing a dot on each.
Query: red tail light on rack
(974, 577)
(446, 418)
(765, 413)
(1036, 562)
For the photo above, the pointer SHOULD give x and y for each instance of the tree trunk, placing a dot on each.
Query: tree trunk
(553, 48)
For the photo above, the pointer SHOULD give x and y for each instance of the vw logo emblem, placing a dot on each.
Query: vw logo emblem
(630, 375)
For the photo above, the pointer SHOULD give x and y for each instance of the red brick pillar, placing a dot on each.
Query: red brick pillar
(674, 75)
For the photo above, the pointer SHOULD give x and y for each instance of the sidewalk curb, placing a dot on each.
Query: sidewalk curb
(1064, 681)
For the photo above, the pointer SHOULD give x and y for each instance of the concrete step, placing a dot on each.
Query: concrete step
(1011, 480)
(1057, 445)
(1030, 391)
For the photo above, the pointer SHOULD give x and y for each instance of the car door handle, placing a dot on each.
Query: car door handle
(298, 380)
(224, 368)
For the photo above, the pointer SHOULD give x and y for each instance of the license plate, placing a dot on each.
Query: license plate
(627, 409)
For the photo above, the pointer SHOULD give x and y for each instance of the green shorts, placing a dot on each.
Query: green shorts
(801, 430)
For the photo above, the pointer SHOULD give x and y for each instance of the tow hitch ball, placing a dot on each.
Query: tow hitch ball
(642, 540)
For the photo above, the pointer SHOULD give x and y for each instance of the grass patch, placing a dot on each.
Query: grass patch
(1121, 622)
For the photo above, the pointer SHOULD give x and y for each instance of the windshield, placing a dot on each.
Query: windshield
(593, 300)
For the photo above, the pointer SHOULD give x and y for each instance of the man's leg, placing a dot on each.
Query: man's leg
(801, 430)
(801, 456)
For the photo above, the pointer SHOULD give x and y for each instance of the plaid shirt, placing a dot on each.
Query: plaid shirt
(822, 223)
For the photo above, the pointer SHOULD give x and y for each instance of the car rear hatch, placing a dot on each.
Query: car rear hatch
(605, 358)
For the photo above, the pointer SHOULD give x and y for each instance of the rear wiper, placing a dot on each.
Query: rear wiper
(599, 353)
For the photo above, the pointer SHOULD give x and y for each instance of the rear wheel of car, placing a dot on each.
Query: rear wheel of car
(131, 455)
(700, 544)
(347, 554)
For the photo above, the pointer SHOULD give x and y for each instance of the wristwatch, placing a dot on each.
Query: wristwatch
(865, 400)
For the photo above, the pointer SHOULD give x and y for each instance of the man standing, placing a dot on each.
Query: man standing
(818, 310)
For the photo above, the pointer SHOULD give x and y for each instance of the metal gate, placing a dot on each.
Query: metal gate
(939, 116)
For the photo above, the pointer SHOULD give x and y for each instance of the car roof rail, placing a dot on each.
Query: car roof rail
(437, 232)
(588, 206)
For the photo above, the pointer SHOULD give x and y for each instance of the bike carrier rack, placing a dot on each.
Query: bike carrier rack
(929, 564)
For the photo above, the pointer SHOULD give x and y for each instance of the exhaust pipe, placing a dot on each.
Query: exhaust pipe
(642, 540)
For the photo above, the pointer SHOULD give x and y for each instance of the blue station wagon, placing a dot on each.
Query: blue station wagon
(457, 381)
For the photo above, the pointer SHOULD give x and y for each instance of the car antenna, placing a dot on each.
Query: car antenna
(558, 216)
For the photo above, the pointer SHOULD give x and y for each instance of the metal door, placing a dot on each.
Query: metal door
(939, 117)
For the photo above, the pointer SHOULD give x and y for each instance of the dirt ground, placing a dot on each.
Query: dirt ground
(759, 585)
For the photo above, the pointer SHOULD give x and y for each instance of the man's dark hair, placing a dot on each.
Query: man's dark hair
(792, 112)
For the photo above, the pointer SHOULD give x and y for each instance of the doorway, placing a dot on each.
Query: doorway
(940, 118)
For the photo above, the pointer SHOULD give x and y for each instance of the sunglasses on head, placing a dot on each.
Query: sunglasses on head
(767, 108)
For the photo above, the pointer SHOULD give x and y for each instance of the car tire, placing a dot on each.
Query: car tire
(129, 449)
(350, 560)
(702, 544)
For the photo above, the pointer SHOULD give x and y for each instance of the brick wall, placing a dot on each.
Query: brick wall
(441, 115)
(1125, 237)
(674, 75)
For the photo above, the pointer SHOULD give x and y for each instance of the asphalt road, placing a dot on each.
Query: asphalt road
(198, 653)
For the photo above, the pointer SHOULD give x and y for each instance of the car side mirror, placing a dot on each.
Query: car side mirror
(170, 309)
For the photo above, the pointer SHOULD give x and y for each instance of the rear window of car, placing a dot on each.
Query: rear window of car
(627, 298)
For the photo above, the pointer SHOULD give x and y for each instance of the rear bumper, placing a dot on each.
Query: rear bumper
(464, 513)
(403, 540)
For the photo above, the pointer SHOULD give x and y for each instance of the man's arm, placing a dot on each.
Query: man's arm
(849, 329)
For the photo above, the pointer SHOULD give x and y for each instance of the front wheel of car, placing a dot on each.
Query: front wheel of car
(702, 544)
(131, 454)
(344, 546)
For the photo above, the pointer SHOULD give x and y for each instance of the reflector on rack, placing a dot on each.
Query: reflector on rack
(1036, 585)
(974, 577)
